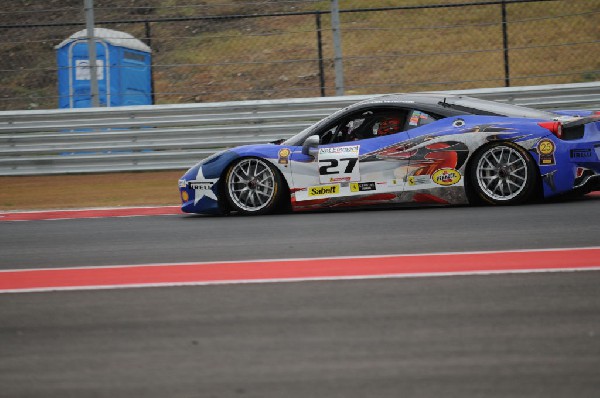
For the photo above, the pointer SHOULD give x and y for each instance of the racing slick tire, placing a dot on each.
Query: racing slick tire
(253, 186)
(503, 173)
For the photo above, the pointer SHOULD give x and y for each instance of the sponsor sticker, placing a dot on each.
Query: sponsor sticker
(339, 149)
(446, 177)
(339, 179)
(362, 186)
(581, 153)
(418, 180)
(284, 155)
(546, 149)
(322, 190)
(202, 185)
(414, 119)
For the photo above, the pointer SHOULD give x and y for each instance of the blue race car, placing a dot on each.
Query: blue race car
(412, 148)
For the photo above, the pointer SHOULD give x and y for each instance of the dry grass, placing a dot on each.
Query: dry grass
(387, 51)
(93, 190)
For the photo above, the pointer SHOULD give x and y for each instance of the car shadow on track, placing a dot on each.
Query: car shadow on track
(561, 199)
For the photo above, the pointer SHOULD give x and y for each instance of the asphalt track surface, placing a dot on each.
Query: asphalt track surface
(496, 335)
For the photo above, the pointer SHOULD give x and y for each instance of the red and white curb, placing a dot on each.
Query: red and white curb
(308, 269)
(90, 213)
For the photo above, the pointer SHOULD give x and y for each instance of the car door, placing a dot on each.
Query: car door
(344, 166)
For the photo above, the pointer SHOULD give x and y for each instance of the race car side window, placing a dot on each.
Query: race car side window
(364, 125)
(343, 131)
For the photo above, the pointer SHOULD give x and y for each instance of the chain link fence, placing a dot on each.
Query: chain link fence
(222, 50)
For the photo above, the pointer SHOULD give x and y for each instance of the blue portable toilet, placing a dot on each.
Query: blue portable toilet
(123, 68)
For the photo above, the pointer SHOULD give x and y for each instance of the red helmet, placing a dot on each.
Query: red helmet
(389, 125)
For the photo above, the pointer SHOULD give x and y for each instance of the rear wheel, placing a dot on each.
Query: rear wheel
(253, 186)
(504, 174)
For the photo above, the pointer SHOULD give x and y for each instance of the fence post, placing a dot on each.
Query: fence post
(320, 53)
(505, 46)
(149, 43)
(88, 6)
(337, 47)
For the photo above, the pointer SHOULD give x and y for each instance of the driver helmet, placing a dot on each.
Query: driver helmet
(388, 125)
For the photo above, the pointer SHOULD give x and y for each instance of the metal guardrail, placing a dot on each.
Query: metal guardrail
(170, 137)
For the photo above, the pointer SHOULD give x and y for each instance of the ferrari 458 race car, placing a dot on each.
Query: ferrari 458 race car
(411, 148)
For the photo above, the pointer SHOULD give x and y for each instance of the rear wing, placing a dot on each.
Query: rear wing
(575, 129)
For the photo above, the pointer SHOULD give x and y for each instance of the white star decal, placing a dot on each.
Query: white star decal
(206, 188)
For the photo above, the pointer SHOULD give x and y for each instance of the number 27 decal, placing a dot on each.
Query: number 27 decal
(338, 164)
(334, 166)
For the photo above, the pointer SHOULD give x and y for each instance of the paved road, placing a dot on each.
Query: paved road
(530, 335)
(484, 336)
(142, 240)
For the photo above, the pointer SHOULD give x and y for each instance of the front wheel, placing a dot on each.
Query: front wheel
(503, 174)
(252, 186)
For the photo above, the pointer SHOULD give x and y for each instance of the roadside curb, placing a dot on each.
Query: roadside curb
(89, 213)
(302, 269)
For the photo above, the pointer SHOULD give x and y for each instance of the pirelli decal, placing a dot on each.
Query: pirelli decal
(203, 185)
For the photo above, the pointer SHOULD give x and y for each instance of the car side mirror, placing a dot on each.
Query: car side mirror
(311, 146)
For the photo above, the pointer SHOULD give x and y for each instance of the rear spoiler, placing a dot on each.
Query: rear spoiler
(574, 130)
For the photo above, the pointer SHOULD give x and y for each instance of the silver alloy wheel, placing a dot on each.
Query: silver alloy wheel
(502, 173)
(251, 184)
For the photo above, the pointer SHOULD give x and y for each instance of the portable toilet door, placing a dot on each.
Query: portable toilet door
(80, 74)
(135, 78)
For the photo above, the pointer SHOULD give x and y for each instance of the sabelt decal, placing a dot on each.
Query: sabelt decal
(362, 186)
(446, 177)
(546, 149)
(202, 185)
(284, 155)
(324, 190)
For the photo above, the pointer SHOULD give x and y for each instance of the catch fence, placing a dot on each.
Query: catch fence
(221, 51)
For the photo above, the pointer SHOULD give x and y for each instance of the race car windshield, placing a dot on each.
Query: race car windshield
(298, 138)
(491, 108)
